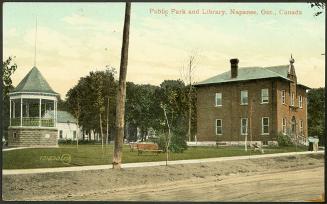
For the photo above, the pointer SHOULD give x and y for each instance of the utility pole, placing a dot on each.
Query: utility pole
(121, 94)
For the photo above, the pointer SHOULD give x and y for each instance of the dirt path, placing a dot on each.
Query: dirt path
(279, 186)
(276, 179)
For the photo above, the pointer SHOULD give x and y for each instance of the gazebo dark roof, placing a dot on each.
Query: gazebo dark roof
(34, 82)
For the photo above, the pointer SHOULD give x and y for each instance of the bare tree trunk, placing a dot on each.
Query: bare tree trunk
(189, 115)
(101, 131)
(167, 137)
(189, 98)
(121, 95)
(107, 122)
(77, 114)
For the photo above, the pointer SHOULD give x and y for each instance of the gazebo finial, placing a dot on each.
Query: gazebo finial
(35, 41)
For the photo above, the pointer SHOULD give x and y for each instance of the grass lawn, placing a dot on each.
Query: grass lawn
(92, 155)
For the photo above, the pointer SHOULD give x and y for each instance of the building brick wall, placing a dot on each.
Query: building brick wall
(231, 111)
(285, 111)
(32, 137)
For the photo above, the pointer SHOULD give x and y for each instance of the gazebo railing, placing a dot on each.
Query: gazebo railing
(47, 122)
(15, 121)
(33, 122)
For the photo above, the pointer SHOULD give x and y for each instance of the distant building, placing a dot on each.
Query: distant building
(278, 103)
(29, 101)
(66, 125)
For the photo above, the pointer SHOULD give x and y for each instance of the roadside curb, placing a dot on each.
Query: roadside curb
(148, 164)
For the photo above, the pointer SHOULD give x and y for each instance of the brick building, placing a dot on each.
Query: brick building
(252, 104)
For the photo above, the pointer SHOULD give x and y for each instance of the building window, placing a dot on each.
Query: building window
(265, 125)
(74, 134)
(300, 101)
(14, 135)
(284, 126)
(292, 99)
(218, 99)
(244, 97)
(283, 96)
(244, 126)
(264, 96)
(60, 134)
(219, 127)
(301, 128)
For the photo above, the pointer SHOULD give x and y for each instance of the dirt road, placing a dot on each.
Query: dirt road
(275, 179)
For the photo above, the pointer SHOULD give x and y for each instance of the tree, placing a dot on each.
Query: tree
(188, 73)
(318, 5)
(120, 106)
(89, 94)
(316, 113)
(172, 100)
(139, 107)
(8, 68)
(168, 136)
(173, 94)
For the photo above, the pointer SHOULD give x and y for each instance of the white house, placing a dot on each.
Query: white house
(67, 126)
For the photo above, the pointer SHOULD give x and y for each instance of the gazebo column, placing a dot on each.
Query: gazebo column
(54, 113)
(21, 111)
(9, 112)
(40, 105)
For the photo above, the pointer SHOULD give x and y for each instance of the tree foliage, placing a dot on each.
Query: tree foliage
(143, 110)
(140, 111)
(8, 67)
(318, 5)
(88, 97)
(316, 113)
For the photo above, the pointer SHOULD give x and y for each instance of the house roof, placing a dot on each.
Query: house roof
(34, 82)
(62, 117)
(249, 73)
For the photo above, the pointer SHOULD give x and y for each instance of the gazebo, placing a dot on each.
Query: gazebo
(30, 103)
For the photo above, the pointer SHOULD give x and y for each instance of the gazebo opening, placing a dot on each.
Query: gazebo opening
(34, 112)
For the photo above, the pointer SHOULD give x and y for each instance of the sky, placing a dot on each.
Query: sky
(76, 38)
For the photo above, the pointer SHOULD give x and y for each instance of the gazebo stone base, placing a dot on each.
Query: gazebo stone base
(32, 137)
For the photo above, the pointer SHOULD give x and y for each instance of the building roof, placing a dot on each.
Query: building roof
(62, 117)
(249, 73)
(34, 82)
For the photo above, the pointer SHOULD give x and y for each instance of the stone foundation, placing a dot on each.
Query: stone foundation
(32, 137)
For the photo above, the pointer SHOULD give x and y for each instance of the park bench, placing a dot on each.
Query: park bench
(147, 148)
(133, 146)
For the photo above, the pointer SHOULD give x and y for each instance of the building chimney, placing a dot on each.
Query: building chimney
(234, 67)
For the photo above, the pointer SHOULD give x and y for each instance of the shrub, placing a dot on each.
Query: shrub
(284, 140)
(63, 141)
(178, 143)
(69, 141)
(87, 142)
(161, 141)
